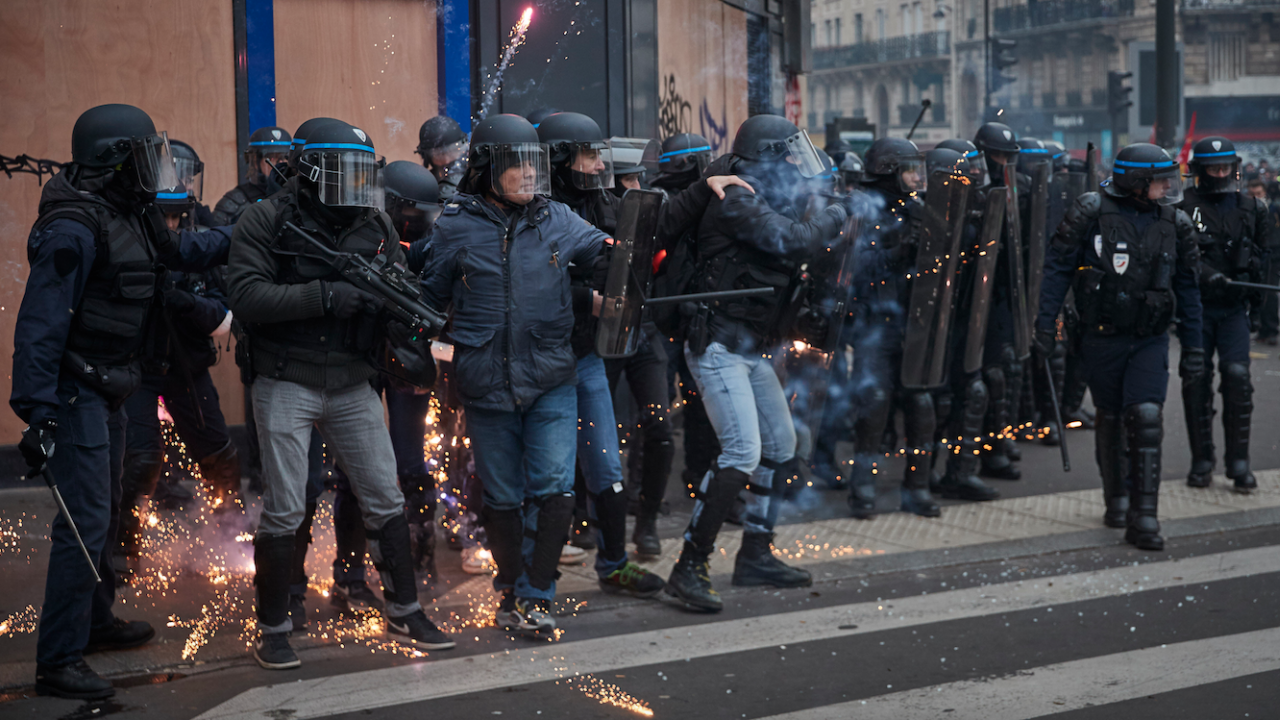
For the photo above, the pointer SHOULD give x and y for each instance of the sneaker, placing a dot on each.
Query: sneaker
(119, 635)
(572, 555)
(76, 681)
(633, 580)
(272, 652)
(525, 615)
(419, 630)
(298, 612)
(354, 595)
(476, 560)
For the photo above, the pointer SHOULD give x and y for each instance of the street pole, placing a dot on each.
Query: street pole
(986, 56)
(1168, 74)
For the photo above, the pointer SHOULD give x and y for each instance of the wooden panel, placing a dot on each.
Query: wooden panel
(172, 58)
(371, 63)
(702, 69)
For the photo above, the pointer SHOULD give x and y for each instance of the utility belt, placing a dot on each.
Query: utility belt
(1107, 308)
(115, 383)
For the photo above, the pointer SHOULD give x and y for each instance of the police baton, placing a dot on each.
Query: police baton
(1057, 415)
(66, 515)
(717, 295)
(1253, 286)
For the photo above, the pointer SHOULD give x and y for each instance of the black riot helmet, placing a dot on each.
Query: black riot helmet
(852, 170)
(771, 139)
(837, 149)
(536, 117)
(998, 144)
(897, 164)
(684, 153)
(977, 166)
(499, 144)
(177, 201)
(300, 138)
(189, 169)
(111, 136)
(339, 160)
(412, 198)
(443, 146)
(1032, 152)
(1059, 153)
(271, 144)
(580, 153)
(1215, 166)
(1137, 167)
(950, 161)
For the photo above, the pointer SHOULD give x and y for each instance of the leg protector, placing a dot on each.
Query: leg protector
(918, 412)
(1144, 430)
(554, 515)
(1197, 405)
(722, 486)
(221, 472)
(1237, 411)
(656, 469)
(141, 472)
(272, 561)
(862, 485)
(1109, 452)
(995, 458)
(301, 540)
(505, 531)
(611, 524)
(389, 548)
(349, 536)
(961, 480)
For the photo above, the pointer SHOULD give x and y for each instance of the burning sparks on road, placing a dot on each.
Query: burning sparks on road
(21, 622)
(609, 694)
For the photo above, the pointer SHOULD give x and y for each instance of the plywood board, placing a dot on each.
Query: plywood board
(702, 69)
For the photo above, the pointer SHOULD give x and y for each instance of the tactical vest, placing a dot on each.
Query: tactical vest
(109, 327)
(740, 267)
(1226, 242)
(1128, 290)
(297, 262)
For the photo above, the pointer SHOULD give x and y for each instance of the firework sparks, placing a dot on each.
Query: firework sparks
(514, 41)
(21, 622)
(610, 694)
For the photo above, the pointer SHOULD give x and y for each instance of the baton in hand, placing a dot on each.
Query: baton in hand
(717, 295)
(1253, 286)
(1057, 414)
(66, 515)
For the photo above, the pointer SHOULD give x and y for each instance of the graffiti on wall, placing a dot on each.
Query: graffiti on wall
(675, 116)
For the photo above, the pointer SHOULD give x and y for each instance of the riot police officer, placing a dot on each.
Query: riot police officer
(1131, 258)
(309, 333)
(1232, 231)
(749, 240)
(264, 161)
(80, 337)
(443, 147)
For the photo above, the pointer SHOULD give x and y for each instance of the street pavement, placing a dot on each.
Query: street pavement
(1021, 608)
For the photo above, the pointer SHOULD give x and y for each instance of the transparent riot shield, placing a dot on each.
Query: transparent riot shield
(984, 269)
(630, 273)
(1037, 236)
(1017, 265)
(924, 350)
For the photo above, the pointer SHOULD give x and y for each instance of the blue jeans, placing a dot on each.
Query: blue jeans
(522, 455)
(747, 408)
(598, 451)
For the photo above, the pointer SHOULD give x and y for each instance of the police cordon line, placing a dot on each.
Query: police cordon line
(796, 298)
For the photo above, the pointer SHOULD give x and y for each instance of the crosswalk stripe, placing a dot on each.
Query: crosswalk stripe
(385, 687)
(1063, 687)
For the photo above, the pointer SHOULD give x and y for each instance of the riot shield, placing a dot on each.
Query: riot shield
(1037, 236)
(924, 349)
(1017, 265)
(983, 268)
(630, 272)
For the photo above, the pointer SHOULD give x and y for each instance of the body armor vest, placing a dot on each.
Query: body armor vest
(1226, 242)
(110, 324)
(1128, 288)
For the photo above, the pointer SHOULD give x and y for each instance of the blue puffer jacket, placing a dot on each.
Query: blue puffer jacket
(508, 281)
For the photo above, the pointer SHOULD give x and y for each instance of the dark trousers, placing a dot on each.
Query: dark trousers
(1226, 331)
(1269, 313)
(87, 467)
(647, 379)
(1124, 370)
(203, 431)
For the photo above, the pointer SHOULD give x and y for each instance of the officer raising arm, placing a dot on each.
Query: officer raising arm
(1132, 260)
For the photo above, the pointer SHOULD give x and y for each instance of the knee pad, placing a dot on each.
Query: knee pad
(1008, 356)
(918, 414)
(995, 380)
(975, 392)
(1237, 380)
(1145, 424)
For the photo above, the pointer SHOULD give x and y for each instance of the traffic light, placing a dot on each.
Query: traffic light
(1002, 57)
(1117, 92)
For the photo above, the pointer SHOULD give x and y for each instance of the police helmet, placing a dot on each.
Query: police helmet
(1059, 153)
(897, 160)
(1210, 155)
(852, 169)
(500, 143)
(1137, 166)
(110, 136)
(996, 137)
(267, 143)
(442, 145)
(189, 169)
(579, 151)
(950, 161)
(339, 160)
(412, 198)
(536, 117)
(977, 165)
(773, 139)
(300, 137)
(685, 152)
(1032, 152)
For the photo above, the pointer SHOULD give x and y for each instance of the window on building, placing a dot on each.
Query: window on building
(904, 19)
(917, 15)
(1226, 56)
(827, 26)
(879, 23)
(827, 91)
(857, 27)
(837, 31)
(813, 34)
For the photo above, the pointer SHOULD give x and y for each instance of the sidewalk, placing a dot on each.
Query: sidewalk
(216, 608)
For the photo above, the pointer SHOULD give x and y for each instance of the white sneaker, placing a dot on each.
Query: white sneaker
(572, 555)
(476, 560)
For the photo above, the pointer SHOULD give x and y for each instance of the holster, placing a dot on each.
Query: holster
(244, 359)
(113, 382)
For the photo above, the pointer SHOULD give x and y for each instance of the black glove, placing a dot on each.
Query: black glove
(179, 301)
(344, 300)
(812, 326)
(37, 444)
(1045, 342)
(1216, 280)
(600, 270)
(1192, 363)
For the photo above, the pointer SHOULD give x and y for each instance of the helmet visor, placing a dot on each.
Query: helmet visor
(190, 176)
(802, 153)
(447, 155)
(344, 178)
(412, 219)
(911, 175)
(1217, 177)
(651, 158)
(1166, 188)
(681, 161)
(592, 165)
(520, 171)
(153, 160)
(277, 158)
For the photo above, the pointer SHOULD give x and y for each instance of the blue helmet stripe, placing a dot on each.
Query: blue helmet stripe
(673, 153)
(1217, 154)
(1160, 164)
(1035, 150)
(270, 143)
(337, 146)
(171, 196)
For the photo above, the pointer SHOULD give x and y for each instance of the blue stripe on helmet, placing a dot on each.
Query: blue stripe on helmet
(270, 143)
(171, 196)
(1160, 164)
(668, 155)
(337, 146)
(1117, 171)
(1035, 150)
(298, 141)
(1217, 154)
(972, 154)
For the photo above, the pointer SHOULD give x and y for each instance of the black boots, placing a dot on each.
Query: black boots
(690, 580)
(1237, 410)
(1144, 431)
(919, 422)
(1197, 404)
(645, 536)
(862, 487)
(1109, 451)
(756, 565)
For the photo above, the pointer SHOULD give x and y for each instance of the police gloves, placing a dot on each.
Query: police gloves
(344, 300)
(1192, 363)
(179, 301)
(37, 444)
(1216, 280)
(1045, 342)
